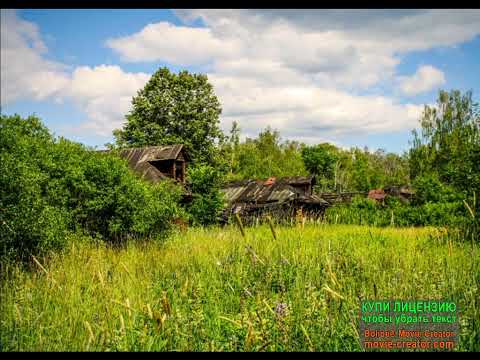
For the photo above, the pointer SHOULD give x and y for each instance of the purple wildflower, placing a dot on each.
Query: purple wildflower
(281, 309)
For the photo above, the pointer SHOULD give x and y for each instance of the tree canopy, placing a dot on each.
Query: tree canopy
(448, 144)
(175, 108)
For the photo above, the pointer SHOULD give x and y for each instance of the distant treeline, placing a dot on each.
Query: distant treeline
(336, 169)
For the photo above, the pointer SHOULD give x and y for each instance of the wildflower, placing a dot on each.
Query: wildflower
(281, 309)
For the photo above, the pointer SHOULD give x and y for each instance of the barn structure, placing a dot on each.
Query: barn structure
(155, 163)
(282, 198)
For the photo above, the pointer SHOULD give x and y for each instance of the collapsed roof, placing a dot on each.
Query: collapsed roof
(272, 191)
(141, 160)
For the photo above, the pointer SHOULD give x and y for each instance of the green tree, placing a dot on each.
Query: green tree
(321, 160)
(448, 143)
(445, 161)
(267, 155)
(173, 109)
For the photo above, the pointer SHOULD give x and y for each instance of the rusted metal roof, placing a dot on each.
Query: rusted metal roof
(376, 194)
(270, 180)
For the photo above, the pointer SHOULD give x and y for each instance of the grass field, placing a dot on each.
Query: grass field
(213, 290)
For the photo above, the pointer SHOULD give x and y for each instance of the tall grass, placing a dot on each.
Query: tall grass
(213, 289)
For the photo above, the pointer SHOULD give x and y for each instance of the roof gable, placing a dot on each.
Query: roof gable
(139, 159)
(152, 153)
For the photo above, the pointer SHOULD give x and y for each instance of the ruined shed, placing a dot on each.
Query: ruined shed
(155, 163)
(282, 198)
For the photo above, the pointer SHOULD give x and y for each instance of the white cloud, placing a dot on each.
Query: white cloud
(347, 48)
(296, 69)
(309, 113)
(425, 79)
(103, 92)
(171, 43)
(300, 71)
(25, 72)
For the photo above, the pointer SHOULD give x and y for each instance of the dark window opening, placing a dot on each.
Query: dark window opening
(164, 166)
(179, 171)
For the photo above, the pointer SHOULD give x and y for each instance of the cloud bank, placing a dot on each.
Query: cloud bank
(304, 72)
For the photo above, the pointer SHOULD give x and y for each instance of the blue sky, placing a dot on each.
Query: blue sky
(354, 78)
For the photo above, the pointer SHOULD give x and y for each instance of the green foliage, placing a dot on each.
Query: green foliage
(444, 159)
(448, 144)
(52, 187)
(393, 212)
(205, 182)
(336, 169)
(429, 188)
(444, 166)
(321, 160)
(28, 220)
(363, 170)
(175, 109)
(262, 157)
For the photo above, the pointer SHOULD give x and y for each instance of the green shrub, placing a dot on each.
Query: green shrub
(52, 187)
(363, 211)
(429, 188)
(207, 204)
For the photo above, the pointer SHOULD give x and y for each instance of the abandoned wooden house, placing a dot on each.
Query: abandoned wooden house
(282, 198)
(155, 163)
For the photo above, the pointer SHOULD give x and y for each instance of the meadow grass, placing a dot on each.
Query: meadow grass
(214, 290)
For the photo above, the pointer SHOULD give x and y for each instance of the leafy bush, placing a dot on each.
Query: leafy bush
(52, 187)
(429, 188)
(207, 204)
(363, 211)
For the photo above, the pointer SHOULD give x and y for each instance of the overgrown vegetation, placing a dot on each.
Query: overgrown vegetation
(442, 167)
(182, 109)
(444, 172)
(445, 157)
(212, 290)
(393, 212)
(205, 182)
(51, 188)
